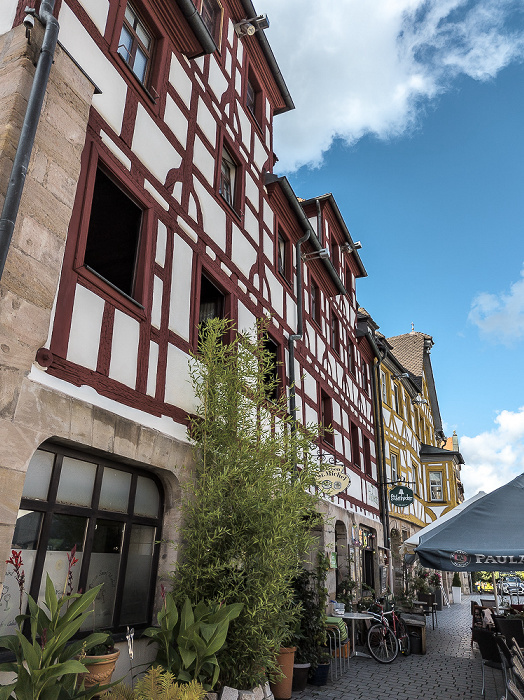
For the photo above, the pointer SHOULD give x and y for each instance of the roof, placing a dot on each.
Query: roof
(345, 231)
(409, 350)
(431, 450)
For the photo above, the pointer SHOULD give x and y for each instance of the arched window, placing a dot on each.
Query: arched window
(110, 512)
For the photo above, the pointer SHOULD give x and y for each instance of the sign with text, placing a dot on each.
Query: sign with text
(401, 496)
(333, 480)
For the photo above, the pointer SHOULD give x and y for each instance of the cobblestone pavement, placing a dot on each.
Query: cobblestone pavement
(450, 670)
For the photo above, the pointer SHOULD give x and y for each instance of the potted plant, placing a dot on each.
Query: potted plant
(435, 582)
(456, 588)
(310, 594)
(345, 592)
(320, 674)
(100, 660)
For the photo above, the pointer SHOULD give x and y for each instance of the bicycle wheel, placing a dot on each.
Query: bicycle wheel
(404, 642)
(382, 644)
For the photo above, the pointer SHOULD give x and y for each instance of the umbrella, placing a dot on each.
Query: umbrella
(486, 535)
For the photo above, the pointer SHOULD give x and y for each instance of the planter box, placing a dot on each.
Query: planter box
(457, 595)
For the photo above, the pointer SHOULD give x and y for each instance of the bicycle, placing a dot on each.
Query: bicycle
(385, 639)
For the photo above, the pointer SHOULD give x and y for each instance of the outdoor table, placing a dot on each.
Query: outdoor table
(354, 616)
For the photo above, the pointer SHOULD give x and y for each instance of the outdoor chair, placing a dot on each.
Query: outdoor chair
(511, 628)
(429, 607)
(513, 693)
(488, 603)
(489, 651)
(517, 651)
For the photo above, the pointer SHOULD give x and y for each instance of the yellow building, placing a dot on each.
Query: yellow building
(415, 450)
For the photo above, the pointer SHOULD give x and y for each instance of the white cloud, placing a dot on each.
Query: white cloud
(500, 316)
(355, 67)
(494, 457)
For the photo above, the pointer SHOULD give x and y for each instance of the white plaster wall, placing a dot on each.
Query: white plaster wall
(175, 119)
(214, 217)
(252, 192)
(277, 293)
(180, 300)
(251, 224)
(246, 320)
(152, 147)
(179, 391)
(77, 41)
(155, 194)
(124, 350)
(86, 323)
(310, 386)
(227, 64)
(245, 128)
(243, 254)
(268, 215)
(180, 80)
(217, 81)
(117, 152)
(161, 244)
(207, 122)
(152, 368)
(7, 15)
(355, 487)
(203, 160)
(156, 309)
(97, 10)
(259, 153)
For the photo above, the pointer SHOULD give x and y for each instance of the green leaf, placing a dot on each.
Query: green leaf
(31, 654)
(50, 597)
(6, 690)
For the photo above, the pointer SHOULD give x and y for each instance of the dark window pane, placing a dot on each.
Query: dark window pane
(138, 575)
(103, 568)
(113, 236)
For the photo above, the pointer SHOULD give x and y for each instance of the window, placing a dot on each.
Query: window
(211, 12)
(397, 399)
(136, 44)
(315, 302)
(272, 378)
(113, 236)
(335, 333)
(435, 486)
(355, 446)
(368, 469)
(384, 386)
(228, 177)
(326, 417)
(394, 466)
(284, 263)
(351, 357)
(110, 512)
(254, 97)
(349, 280)
(415, 478)
(334, 254)
(212, 302)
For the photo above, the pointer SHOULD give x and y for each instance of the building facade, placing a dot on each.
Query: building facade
(417, 454)
(150, 206)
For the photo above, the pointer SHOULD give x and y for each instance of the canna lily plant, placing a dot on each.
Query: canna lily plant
(45, 663)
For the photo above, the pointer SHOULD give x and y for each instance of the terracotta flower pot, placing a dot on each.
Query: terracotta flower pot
(285, 659)
(100, 669)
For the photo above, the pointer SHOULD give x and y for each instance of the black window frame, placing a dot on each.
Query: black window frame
(50, 507)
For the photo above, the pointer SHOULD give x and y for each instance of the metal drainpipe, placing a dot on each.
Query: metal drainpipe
(27, 135)
(379, 422)
(296, 336)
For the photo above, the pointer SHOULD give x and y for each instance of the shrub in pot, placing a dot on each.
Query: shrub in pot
(456, 588)
(100, 660)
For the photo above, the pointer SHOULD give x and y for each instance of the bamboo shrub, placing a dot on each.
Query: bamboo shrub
(248, 511)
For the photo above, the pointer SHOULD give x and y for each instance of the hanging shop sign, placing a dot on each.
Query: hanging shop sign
(333, 480)
(401, 496)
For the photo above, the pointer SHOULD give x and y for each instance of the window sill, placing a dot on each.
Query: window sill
(137, 82)
(111, 293)
(230, 207)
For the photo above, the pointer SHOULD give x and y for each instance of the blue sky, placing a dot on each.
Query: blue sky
(412, 115)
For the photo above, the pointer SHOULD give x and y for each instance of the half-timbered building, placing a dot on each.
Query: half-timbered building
(150, 205)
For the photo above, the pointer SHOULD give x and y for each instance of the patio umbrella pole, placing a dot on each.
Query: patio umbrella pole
(495, 592)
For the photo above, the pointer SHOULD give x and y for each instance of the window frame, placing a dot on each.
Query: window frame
(436, 485)
(393, 457)
(256, 108)
(355, 445)
(227, 310)
(314, 302)
(326, 418)
(384, 387)
(51, 506)
(335, 333)
(228, 155)
(284, 267)
(216, 31)
(137, 303)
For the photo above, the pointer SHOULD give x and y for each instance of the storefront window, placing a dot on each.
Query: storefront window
(110, 513)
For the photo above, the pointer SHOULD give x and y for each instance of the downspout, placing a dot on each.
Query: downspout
(379, 423)
(27, 135)
(296, 336)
